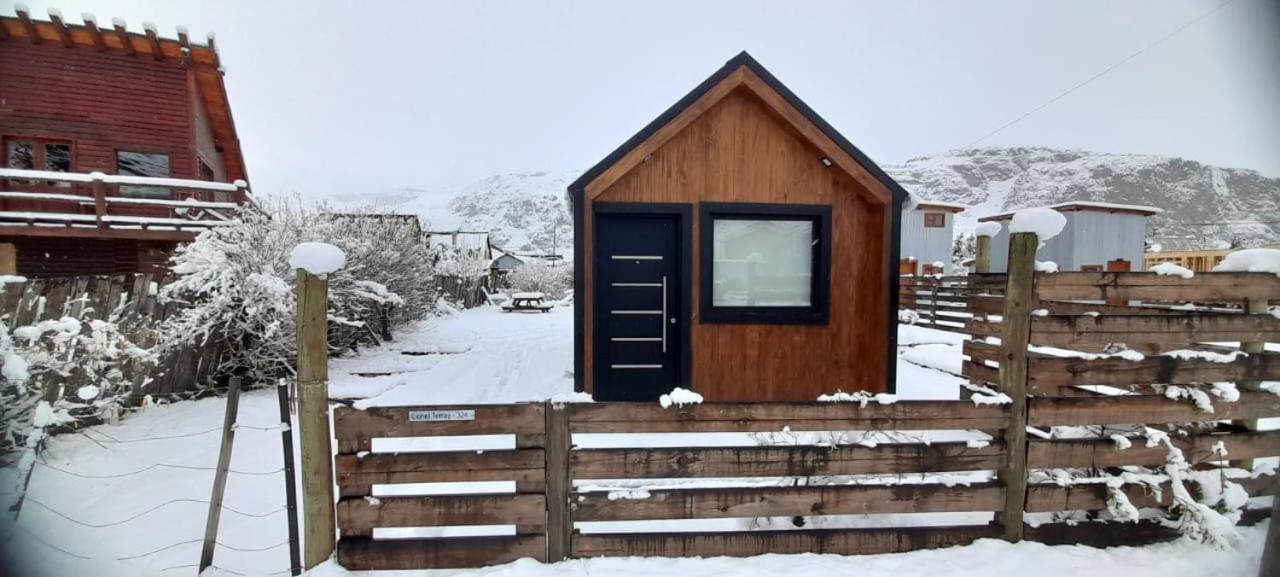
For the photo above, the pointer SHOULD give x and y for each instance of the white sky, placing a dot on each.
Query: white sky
(344, 97)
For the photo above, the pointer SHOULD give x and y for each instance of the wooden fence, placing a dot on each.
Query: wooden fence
(357, 469)
(563, 484)
(1036, 337)
(941, 302)
(128, 300)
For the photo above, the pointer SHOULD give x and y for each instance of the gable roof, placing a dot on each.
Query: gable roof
(203, 60)
(742, 61)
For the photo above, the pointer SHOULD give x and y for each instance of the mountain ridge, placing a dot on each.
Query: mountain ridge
(1204, 206)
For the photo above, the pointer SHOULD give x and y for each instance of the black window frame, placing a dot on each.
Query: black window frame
(145, 191)
(819, 310)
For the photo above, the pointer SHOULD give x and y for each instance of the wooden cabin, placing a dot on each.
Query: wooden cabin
(116, 146)
(928, 237)
(738, 246)
(1099, 236)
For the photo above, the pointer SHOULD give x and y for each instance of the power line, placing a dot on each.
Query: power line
(1104, 72)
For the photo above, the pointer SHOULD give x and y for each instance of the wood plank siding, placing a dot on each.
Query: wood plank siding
(104, 92)
(742, 141)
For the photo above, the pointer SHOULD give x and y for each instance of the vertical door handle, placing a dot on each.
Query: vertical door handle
(664, 313)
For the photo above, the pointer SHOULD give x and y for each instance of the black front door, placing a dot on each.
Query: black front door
(639, 305)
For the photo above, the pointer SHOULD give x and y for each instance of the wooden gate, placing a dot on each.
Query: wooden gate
(360, 464)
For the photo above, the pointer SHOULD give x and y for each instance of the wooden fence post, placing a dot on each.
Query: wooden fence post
(313, 420)
(559, 521)
(1015, 333)
(1270, 565)
(982, 261)
(1251, 307)
(220, 475)
(290, 488)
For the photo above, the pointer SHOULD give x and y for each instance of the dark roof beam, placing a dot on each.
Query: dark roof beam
(123, 33)
(25, 16)
(91, 24)
(61, 27)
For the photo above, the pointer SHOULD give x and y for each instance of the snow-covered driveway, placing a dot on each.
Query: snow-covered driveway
(127, 500)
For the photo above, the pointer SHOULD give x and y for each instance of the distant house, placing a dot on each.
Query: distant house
(505, 262)
(469, 243)
(408, 221)
(927, 237)
(1098, 237)
(1196, 260)
(114, 146)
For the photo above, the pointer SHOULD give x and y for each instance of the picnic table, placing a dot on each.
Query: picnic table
(527, 302)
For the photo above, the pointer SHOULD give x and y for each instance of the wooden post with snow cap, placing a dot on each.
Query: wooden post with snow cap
(313, 261)
(1015, 334)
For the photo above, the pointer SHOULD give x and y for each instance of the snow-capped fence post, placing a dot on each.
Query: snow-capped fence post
(1015, 335)
(313, 261)
(220, 475)
(559, 487)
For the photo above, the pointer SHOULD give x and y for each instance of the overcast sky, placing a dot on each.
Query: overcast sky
(342, 97)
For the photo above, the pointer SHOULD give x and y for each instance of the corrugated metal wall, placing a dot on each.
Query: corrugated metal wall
(927, 245)
(1090, 238)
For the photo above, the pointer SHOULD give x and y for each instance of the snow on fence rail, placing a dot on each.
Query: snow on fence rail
(585, 473)
(1115, 383)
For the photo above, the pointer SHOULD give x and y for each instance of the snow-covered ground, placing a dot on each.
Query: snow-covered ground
(127, 499)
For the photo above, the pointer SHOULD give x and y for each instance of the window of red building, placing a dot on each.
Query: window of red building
(38, 154)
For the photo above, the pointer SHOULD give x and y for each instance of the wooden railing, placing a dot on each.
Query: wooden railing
(36, 197)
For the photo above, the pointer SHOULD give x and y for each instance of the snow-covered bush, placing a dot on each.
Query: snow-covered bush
(55, 372)
(237, 284)
(536, 276)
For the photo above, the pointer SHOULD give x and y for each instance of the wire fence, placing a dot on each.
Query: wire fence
(102, 437)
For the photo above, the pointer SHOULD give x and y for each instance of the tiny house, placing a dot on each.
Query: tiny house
(927, 237)
(1098, 236)
(738, 246)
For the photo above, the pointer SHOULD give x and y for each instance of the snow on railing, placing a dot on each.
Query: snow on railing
(50, 175)
(190, 211)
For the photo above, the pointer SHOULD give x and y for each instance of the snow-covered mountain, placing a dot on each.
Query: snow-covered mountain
(527, 211)
(1240, 203)
(523, 211)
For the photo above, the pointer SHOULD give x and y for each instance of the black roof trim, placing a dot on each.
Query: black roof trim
(577, 187)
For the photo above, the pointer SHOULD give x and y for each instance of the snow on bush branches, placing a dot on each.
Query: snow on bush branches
(535, 276)
(237, 282)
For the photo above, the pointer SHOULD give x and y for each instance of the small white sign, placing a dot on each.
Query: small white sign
(459, 415)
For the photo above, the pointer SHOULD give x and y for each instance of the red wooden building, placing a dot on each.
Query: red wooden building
(131, 139)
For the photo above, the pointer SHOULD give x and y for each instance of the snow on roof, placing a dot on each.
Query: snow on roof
(1085, 205)
(956, 206)
(467, 240)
